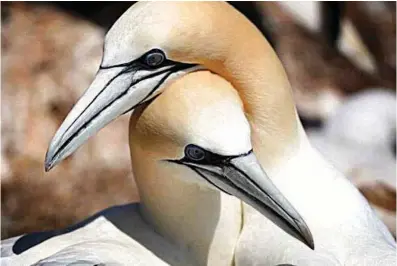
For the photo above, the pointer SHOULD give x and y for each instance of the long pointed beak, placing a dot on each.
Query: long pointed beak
(113, 92)
(244, 178)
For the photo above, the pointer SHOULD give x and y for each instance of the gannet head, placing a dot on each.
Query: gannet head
(198, 123)
(150, 45)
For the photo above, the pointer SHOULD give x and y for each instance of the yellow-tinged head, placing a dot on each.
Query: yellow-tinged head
(189, 32)
(155, 43)
(198, 108)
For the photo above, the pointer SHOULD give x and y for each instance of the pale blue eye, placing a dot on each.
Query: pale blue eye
(194, 153)
(154, 58)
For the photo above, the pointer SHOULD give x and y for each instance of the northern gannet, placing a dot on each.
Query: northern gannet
(154, 43)
(185, 154)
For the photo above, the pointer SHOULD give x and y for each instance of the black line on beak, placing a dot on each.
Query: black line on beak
(209, 181)
(128, 69)
(255, 185)
(310, 244)
(225, 179)
(218, 161)
(171, 71)
(224, 162)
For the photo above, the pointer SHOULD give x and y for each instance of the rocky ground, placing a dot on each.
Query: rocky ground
(48, 58)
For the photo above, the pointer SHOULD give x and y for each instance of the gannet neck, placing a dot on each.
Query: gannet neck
(200, 221)
(265, 91)
(263, 86)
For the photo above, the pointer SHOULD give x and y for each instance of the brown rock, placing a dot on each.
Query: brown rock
(376, 24)
(49, 58)
(320, 75)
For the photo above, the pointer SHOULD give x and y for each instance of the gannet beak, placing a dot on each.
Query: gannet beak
(243, 177)
(114, 91)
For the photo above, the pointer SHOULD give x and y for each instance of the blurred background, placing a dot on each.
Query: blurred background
(340, 58)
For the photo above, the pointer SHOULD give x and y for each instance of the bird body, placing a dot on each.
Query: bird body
(117, 236)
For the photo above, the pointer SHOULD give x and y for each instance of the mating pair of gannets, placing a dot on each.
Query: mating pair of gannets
(155, 43)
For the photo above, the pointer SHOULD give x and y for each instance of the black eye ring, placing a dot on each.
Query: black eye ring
(194, 153)
(154, 58)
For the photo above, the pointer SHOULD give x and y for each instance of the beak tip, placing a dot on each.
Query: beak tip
(47, 166)
(307, 237)
(48, 161)
(310, 243)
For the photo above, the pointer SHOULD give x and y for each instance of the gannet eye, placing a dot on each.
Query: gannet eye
(194, 153)
(154, 58)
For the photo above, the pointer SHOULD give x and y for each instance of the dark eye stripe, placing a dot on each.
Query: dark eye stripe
(142, 60)
(208, 158)
(119, 65)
